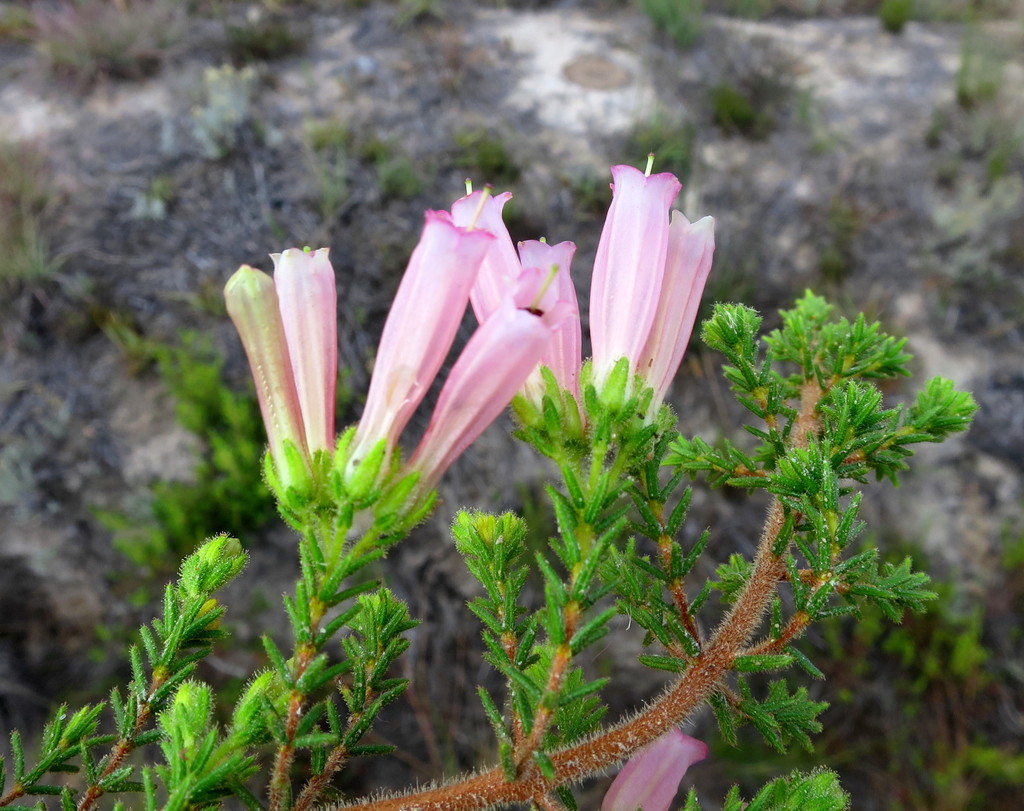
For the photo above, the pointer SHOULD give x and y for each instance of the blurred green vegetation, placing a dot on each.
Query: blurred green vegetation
(681, 20)
(844, 223)
(89, 39)
(895, 14)
(26, 198)
(739, 112)
(265, 38)
(672, 144)
(485, 153)
(226, 493)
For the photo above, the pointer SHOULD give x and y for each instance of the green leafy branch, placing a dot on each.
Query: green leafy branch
(376, 641)
(166, 656)
(493, 548)
(177, 642)
(825, 428)
(372, 495)
(201, 766)
(818, 790)
(63, 739)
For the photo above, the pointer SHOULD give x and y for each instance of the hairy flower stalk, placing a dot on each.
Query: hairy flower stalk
(420, 328)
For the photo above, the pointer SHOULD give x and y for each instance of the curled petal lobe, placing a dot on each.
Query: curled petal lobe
(536, 254)
(691, 247)
(253, 306)
(650, 779)
(421, 326)
(308, 301)
(629, 267)
(564, 353)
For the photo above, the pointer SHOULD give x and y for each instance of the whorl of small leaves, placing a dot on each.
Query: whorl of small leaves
(640, 585)
(782, 718)
(494, 549)
(839, 358)
(818, 790)
(63, 739)
(376, 642)
(828, 349)
(577, 708)
(200, 765)
(165, 657)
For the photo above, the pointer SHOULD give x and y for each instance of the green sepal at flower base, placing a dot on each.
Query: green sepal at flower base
(291, 466)
(356, 480)
(211, 566)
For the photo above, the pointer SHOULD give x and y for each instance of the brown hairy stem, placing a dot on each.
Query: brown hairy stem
(672, 707)
(318, 782)
(280, 782)
(123, 747)
(573, 763)
(556, 674)
(549, 803)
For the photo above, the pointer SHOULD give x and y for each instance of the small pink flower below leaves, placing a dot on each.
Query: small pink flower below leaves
(650, 779)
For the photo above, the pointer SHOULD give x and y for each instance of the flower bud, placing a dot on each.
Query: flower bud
(211, 566)
(247, 721)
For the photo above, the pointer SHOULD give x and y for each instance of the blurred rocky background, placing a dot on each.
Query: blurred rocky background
(871, 152)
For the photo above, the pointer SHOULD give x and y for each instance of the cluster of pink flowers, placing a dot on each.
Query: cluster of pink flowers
(648, 278)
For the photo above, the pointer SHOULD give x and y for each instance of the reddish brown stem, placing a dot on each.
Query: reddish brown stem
(675, 587)
(671, 708)
(559, 665)
(121, 749)
(685, 695)
(281, 780)
(795, 627)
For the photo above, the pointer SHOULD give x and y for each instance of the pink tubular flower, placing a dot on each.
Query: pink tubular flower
(500, 273)
(650, 779)
(253, 306)
(563, 354)
(420, 327)
(308, 303)
(629, 267)
(500, 268)
(492, 367)
(690, 250)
